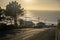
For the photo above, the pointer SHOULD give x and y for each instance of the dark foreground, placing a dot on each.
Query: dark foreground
(29, 34)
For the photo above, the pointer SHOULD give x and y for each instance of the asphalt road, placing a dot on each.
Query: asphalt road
(31, 34)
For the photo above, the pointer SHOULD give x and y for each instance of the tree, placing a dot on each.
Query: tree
(58, 22)
(21, 21)
(14, 9)
(2, 12)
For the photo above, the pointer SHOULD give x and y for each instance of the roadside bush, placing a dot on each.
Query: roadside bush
(4, 27)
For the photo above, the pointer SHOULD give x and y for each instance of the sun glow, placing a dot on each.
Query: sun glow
(36, 5)
(27, 1)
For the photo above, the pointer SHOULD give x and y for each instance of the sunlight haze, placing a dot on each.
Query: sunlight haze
(35, 4)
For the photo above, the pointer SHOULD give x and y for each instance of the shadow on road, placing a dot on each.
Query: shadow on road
(8, 33)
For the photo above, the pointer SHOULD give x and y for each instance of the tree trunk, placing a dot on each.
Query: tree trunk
(15, 22)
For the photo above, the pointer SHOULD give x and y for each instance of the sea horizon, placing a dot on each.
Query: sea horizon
(47, 16)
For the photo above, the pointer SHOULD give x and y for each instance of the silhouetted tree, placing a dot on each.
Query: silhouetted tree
(14, 9)
(2, 12)
(58, 22)
(21, 21)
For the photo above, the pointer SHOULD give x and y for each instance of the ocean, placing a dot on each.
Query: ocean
(47, 16)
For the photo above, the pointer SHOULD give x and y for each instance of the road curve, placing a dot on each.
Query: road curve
(32, 34)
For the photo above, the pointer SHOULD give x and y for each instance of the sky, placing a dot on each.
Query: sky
(35, 4)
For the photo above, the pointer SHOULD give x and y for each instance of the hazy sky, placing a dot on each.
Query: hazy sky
(35, 4)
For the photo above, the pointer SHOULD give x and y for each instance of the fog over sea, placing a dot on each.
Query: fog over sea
(50, 17)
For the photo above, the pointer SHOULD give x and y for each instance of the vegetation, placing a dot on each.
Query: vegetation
(2, 12)
(58, 23)
(14, 9)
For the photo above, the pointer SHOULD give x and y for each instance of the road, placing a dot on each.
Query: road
(32, 34)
